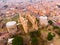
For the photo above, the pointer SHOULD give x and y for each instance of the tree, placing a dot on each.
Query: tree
(50, 36)
(34, 41)
(50, 22)
(17, 40)
(35, 33)
(57, 29)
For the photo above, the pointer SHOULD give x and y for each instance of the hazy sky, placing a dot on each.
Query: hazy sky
(23, 0)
